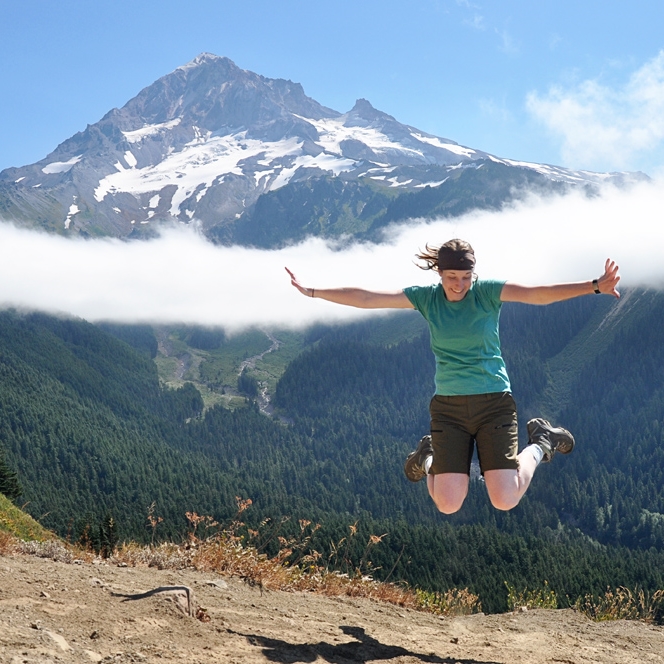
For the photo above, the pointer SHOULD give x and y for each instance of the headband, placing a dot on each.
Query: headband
(455, 259)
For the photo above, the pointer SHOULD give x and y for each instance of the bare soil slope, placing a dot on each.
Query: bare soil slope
(59, 612)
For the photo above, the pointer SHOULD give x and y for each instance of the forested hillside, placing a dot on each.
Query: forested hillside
(91, 432)
(92, 435)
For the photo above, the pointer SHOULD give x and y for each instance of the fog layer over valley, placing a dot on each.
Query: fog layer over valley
(181, 277)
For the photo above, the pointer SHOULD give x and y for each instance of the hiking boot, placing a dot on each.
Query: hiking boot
(414, 466)
(550, 439)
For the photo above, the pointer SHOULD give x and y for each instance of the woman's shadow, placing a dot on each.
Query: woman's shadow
(364, 649)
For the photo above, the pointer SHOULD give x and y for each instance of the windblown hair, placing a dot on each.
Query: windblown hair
(430, 254)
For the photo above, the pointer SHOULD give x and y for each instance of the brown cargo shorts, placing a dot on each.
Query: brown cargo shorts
(460, 422)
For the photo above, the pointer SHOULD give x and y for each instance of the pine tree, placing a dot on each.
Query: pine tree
(9, 484)
(108, 536)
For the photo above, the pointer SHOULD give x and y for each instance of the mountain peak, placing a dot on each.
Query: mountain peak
(363, 110)
(362, 105)
(209, 139)
(202, 59)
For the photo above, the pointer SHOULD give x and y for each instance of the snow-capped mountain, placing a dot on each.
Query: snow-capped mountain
(209, 140)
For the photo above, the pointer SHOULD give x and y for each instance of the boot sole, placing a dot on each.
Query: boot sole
(413, 466)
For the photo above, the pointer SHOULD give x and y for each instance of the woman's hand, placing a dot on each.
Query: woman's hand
(608, 282)
(309, 292)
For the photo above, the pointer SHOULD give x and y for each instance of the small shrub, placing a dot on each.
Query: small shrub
(622, 604)
(8, 543)
(53, 549)
(454, 602)
(542, 598)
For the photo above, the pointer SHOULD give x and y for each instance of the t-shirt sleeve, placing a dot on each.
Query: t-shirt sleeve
(489, 291)
(419, 296)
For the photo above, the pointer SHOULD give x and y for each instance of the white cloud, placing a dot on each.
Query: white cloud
(603, 127)
(181, 277)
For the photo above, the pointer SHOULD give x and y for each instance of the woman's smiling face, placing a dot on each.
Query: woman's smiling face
(456, 283)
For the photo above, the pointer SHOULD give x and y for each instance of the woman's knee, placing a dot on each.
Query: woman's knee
(448, 491)
(504, 499)
(503, 488)
(447, 504)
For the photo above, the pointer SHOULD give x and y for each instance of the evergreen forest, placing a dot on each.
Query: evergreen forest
(90, 432)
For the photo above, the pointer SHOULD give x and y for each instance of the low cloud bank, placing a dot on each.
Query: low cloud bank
(182, 278)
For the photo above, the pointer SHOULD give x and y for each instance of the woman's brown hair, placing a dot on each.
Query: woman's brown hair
(430, 254)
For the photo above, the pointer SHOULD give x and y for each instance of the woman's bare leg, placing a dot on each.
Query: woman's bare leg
(506, 487)
(448, 491)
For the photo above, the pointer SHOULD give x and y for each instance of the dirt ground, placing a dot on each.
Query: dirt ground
(63, 612)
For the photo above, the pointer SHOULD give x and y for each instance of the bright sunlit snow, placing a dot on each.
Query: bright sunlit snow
(452, 147)
(138, 135)
(130, 159)
(332, 132)
(205, 159)
(561, 174)
(61, 166)
(73, 210)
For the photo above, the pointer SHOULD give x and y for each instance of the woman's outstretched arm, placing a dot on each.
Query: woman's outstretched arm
(355, 297)
(607, 283)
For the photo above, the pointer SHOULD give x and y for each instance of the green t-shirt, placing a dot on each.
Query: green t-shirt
(464, 338)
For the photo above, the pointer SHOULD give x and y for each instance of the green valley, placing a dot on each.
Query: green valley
(122, 422)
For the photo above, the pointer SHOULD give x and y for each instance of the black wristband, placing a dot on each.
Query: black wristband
(596, 287)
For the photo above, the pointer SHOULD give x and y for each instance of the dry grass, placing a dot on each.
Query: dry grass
(542, 598)
(54, 549)
(229, 555)
(14, 521)
(454, 602)
(623, 604)
(295, 567)
(7, 543)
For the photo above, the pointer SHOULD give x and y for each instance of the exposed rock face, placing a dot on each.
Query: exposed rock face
(206, 141)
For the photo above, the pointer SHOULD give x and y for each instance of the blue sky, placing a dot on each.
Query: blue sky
(574, 84)
(578, 84)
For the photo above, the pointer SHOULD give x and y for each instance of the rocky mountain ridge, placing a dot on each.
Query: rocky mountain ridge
(209, 140)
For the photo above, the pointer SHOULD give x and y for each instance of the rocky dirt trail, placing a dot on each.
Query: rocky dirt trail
(63, 612)
(263, 400)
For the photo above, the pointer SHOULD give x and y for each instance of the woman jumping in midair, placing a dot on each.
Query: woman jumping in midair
(473, 404)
